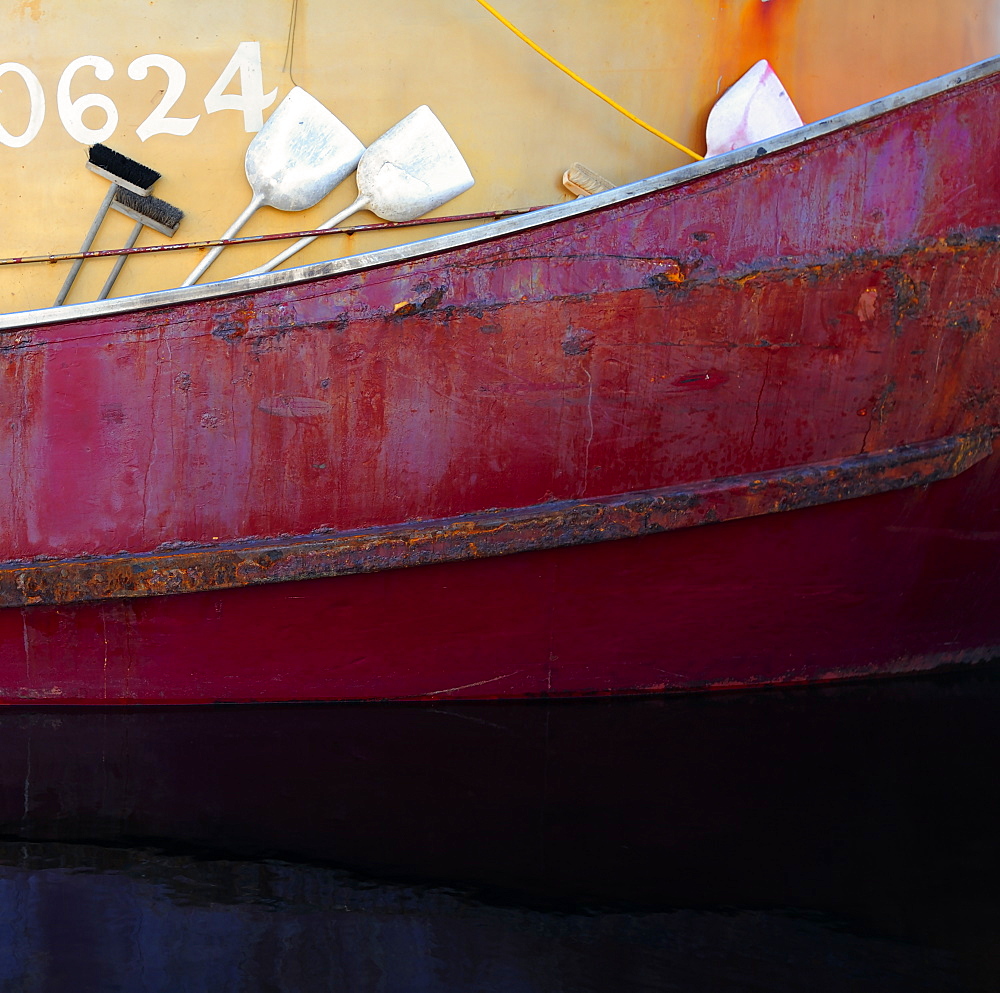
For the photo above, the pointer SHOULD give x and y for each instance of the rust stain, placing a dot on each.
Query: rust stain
(406, 308)
(867, 308)
(32, 9)
(760, 24)
(672, 272)
(750, 30)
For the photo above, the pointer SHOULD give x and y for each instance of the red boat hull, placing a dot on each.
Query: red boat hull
(773, 384)
(861, 588)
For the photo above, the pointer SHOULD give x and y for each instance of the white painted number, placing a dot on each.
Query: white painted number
(71, 111)
(251, 99)
(37, 103)
(158, 122)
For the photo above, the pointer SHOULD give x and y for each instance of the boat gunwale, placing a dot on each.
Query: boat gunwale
(479, 234)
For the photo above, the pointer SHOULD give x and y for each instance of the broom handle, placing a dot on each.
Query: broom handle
(119, 262)
(358, 204)
(87, 242)
(212, 255)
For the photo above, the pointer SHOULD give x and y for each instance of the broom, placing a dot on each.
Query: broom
(121, 171)
(582, 182)
(145, 211)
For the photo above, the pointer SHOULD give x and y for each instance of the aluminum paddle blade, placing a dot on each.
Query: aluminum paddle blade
(413, 168)
(407, 172)
(754, 108)
(300, 154)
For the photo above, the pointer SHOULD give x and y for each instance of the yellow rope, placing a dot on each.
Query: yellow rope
(593, 89)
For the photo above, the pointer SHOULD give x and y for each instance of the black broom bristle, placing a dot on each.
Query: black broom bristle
(164, 216)
(121, 166)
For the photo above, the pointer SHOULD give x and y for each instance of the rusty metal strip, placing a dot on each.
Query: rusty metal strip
(490, 533)
(181, 246)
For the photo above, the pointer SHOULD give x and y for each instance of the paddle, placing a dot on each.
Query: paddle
(755, 107)
(300, 154)
(413, 168)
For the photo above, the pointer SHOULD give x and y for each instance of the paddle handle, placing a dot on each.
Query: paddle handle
(358, 204)
(214, 253)
(87, 242)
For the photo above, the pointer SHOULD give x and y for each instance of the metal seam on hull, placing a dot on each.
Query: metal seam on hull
(489, 533)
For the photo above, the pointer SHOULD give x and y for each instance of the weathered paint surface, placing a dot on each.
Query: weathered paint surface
(828, 301)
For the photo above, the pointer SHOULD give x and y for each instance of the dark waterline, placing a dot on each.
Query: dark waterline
(827, 838)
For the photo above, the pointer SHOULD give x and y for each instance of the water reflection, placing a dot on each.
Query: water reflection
(837, 838)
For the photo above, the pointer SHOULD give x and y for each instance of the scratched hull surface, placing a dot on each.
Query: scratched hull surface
(313, 486)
